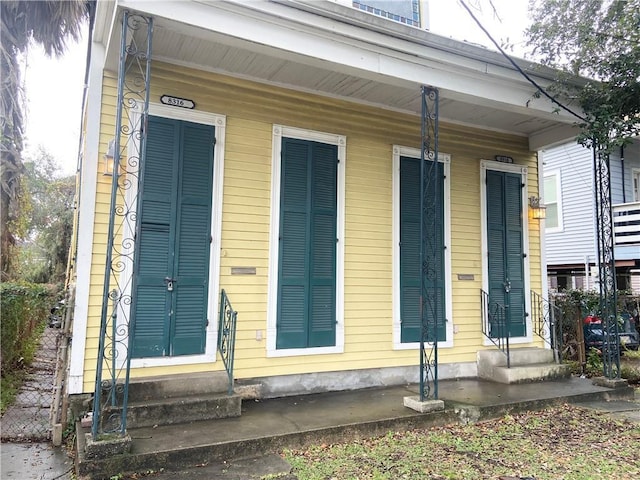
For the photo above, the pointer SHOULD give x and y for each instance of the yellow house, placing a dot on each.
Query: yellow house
(271, 150)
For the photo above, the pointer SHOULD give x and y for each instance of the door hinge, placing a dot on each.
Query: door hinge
(215, 140)
(524, 255)
(210, 238)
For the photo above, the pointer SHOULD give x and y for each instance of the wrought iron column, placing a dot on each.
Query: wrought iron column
(429, 251)
(606, 263)
(116, 329)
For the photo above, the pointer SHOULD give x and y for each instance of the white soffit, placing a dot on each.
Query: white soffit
(242, 41)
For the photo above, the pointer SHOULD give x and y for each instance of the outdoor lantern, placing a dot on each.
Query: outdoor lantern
(536, 209)
(108, 157)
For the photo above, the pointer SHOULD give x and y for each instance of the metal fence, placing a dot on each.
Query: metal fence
(31, 415)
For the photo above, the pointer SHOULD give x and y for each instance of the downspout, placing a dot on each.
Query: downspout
(624, 193)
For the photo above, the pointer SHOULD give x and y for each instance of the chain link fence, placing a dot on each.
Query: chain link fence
(31, 416)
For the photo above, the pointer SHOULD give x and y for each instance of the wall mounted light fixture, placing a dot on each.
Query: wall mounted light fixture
(537, 211)
(109, 156)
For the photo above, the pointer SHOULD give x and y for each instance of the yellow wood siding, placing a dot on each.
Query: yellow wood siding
(251, 110)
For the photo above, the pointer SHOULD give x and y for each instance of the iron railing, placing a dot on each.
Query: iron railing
(118, 311)
(495, 325)
(227, 336)
(430, 245)
(606, 262)
(546, 323)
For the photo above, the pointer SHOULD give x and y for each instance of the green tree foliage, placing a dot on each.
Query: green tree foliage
(599, 40)
(25, 308)
(46, 221)
(49, 24)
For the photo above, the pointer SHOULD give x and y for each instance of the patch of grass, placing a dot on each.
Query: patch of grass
(9, 385)
(563, 442)
(12, 379)
(630, 373)
(632, 354)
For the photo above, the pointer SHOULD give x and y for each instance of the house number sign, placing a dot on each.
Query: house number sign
(177, 101)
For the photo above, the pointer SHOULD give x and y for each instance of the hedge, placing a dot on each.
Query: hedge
(24, 308)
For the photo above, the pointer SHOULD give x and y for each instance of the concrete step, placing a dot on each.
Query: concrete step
(176, 399)
(177, 410)
(296, 422)
(524, 373)
(183, 385)
(519, 356)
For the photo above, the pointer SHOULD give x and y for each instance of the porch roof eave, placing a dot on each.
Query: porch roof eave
(332, 50)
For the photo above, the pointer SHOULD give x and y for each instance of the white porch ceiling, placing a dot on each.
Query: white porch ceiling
(190, 45)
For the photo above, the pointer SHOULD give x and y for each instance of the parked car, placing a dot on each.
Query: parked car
(628, 336)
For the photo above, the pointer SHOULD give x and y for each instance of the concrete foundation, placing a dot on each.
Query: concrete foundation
(303, 384)
(609, 382)
(426, 406)
(107, 447)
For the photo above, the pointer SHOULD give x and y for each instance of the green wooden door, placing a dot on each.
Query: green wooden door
(505, 246)
(171, 284)
(410, 272)
(307, 251)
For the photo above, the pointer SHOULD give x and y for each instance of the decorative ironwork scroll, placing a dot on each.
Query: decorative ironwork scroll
(607, 264)
(546, 323)
(116, 322)
(227, 336)
(494, 324)
(430, 263)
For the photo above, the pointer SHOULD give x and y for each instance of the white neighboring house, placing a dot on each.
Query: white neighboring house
(570, 232)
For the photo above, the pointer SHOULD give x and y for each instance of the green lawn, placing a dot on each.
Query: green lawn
(565, 442)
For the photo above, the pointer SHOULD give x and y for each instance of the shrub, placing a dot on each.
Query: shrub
(630, 373)
(574, 305)
(24, 308)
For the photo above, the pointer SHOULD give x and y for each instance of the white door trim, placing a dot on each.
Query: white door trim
(219, 122)
(445, 159)
(523, 171)
(280, 131)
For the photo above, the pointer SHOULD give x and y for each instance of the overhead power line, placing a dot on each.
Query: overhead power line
(517, 67)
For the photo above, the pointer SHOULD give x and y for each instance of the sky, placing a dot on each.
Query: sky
(54, 87)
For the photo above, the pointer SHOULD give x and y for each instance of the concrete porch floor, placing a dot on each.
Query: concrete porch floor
(268, 426)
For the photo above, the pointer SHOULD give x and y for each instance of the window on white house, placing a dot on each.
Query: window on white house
(636, 184)
(403, 11)
(552, 200)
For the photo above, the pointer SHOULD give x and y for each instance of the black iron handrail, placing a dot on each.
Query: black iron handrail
(495, 325)
(546, 323)
(227, 336)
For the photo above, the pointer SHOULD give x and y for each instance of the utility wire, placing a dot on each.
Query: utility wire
(517, 67)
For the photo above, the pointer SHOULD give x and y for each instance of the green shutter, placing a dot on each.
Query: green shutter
(410, 271)
(193, 243)
(155, 248)
(495, 240)
(514, 253)
(322, 251)
(294, 238)
(174, 240)
(307, 259)
(504, 235)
